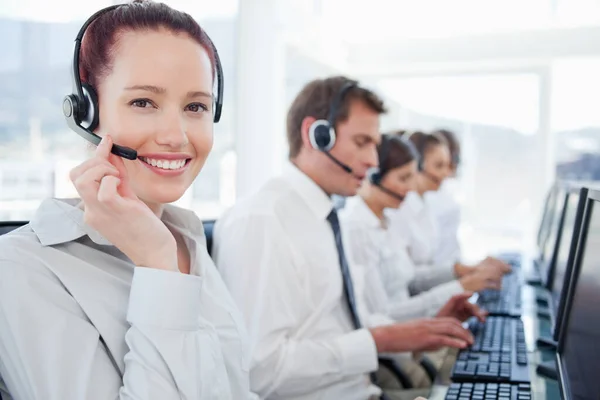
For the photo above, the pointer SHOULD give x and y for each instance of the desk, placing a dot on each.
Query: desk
(542, 388)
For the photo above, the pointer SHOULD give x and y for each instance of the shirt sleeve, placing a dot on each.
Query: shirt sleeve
(261, 270)
(425, 304)
(393, 270)
(447, 215)
(49, 349)
(428, 276)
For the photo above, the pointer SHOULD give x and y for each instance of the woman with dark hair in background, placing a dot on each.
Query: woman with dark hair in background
(381, 260)
(446, 209)
(114, 295)
(415, 226)
(390, 272)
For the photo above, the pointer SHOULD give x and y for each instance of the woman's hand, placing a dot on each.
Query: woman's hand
(496, 263)
(460, 308)
(482, 278)
(118, 214)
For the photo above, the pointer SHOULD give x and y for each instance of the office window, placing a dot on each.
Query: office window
(37, 149)
(404, 19)
(496, 117)
(575, 119)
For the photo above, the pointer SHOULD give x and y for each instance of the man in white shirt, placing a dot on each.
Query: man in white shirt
(280, 253)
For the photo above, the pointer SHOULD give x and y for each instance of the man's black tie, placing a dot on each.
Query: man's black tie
(347, 279)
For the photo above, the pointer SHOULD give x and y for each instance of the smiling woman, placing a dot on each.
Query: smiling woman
(118, 297)
(164, 104)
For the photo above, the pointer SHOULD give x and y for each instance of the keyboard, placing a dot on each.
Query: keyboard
(509, 281)
(499, 353)
(504, 302)
(511, 258)
(489, 391)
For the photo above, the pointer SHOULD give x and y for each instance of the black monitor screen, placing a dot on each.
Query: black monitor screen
(565, 246)
(547, 218)
(553, 229)
(581, 351)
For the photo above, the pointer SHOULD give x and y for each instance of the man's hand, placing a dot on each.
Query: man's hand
(459, 307)
(426, 334)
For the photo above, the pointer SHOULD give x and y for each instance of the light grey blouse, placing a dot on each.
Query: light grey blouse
(79, 321)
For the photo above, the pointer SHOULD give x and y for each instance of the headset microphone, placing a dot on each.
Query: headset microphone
(338, 162)
(387, 191)
(69, 110)
(432, 177)
(375, 176)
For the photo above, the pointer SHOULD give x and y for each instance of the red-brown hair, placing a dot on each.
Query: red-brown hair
(98, 45)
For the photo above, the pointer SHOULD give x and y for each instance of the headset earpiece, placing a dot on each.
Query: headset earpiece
(456, 159)
(89, 117)
(321, 135)
(374, 176)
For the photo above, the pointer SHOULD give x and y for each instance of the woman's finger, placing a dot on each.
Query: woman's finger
(104, 148)
(125, 187)
(86, 165)
(88, 183)
(108, 193)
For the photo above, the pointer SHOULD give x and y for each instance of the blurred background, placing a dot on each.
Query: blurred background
(517, 80)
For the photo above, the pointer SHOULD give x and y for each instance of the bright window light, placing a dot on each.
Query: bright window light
(485, 99)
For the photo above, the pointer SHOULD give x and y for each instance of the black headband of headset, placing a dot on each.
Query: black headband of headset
(78, 89)
(384, 149)
(337, 100)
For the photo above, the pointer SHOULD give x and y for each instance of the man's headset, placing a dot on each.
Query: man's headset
(375, 175)
(81, 107)
(322, 134)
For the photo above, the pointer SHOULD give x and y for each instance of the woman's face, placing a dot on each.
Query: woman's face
(400, 180)
(436, 166)
(157, 100)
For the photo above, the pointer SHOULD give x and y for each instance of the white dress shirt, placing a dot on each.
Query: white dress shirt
(414, 225)
(277, 254)
(387, 268)
(69, 300)
(447, 214)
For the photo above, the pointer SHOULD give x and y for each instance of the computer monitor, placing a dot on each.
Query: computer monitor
(559, 278)
(578, 355)
(546, 220)
(545, 260)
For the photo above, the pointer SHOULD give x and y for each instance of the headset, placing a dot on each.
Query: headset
(421, 160)
(322, 134)
(80, 108)
(376, 174)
